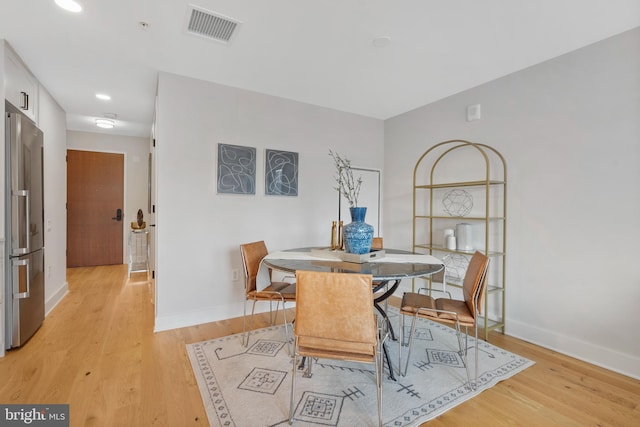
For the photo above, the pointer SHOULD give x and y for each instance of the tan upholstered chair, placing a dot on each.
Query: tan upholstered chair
(280, 292)
(376, 243)
(447, 310)
(335, 320)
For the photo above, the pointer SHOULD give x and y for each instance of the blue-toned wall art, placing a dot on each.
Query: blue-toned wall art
(236, 169)
(281, 173)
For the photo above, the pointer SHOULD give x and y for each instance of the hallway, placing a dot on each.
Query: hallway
(97, 352)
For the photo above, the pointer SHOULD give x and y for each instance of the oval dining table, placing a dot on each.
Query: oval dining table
(387, 271)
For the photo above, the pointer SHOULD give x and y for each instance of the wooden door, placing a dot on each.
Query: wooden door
(95, 192)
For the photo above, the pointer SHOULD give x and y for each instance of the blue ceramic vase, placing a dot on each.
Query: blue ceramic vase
(357, 235)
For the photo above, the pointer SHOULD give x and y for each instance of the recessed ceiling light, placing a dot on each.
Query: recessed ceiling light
(70, 5)
(103, 96)
(105, 123)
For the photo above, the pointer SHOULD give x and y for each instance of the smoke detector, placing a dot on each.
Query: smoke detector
(210, 25)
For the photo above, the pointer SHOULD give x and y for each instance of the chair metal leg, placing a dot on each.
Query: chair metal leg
(466, 339)
(400, 341)
(287, 327)
(475, 384)
(244, 324)
(411, 334)
(379, 366)
(274, 317)
(307, 371)
(463, 353)
(248, 331)
(293, 387)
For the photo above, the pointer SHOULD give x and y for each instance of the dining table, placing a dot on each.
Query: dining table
(388, 268)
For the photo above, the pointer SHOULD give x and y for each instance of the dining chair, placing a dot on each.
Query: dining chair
(280, 292)
(376, 243)
(452, 311)
(335, 320)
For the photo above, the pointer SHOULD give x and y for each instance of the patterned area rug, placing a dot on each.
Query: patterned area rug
(247, 387)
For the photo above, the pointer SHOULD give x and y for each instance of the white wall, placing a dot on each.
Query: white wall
(52, 122)
(569, 129)
(199, 231)
(136, 155)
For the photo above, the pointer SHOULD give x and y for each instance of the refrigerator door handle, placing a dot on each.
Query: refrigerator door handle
(27, 211)
(17, 263)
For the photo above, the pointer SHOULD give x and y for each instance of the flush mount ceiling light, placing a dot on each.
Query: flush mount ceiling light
(70, 5)
(105, 123)
(381, 41)
(103, 96)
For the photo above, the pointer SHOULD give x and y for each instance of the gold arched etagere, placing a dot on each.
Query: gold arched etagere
(476, 175)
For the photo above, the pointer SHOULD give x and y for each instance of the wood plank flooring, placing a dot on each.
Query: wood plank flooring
(97, 352)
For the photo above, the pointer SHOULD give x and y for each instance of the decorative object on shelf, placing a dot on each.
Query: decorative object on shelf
(463, 237)
(449, 238)
(457, 202)
(139, 224)
(358, 235)
(455, 267)
(451, 242)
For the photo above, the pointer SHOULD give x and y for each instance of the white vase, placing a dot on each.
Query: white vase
(463, 237)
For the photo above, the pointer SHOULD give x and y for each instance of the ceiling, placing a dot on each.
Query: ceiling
(313, 51)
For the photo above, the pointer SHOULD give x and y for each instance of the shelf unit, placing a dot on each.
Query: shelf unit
(457, 182)
(138, 251)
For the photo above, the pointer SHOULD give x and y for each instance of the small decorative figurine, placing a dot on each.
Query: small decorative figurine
(139, 224)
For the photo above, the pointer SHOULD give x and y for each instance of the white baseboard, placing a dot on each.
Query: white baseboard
(52, 302)
(183, 320)
(212, 314)
(625, 364)
(622, 363)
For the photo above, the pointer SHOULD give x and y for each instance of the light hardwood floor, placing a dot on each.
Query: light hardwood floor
(97, 352)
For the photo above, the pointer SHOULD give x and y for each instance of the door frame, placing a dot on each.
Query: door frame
(125, 229)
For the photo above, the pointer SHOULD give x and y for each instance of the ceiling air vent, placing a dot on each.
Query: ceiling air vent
(204, 23)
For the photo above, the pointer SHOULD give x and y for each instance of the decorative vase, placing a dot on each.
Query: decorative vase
(357, 235)
(463, 237)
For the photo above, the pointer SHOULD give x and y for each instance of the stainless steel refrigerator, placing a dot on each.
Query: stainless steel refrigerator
(24, 231)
